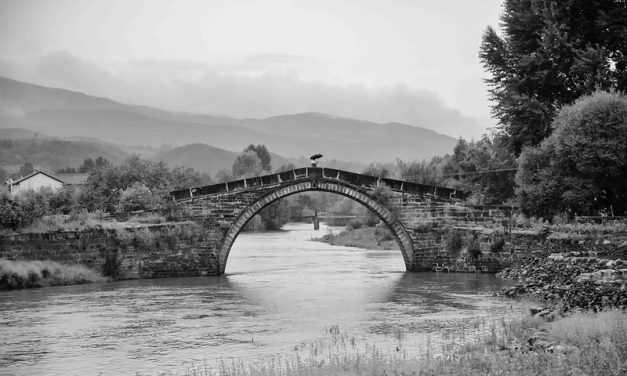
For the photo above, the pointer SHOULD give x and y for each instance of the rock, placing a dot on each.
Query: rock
(534, 310)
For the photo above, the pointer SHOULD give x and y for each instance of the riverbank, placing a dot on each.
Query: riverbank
(29, 274)
(374, 238)
(581, 344)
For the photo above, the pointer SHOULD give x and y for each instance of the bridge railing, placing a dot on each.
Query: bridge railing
(353, 178)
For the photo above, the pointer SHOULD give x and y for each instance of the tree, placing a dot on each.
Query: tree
(87, 165)
(286, 167)
(27, 169)
(582, 166)
(223, 175)
(377, 169)
(551, 53)
(263, 154)
(106, 182)
(247, 165)
(137, 197)
(12, 215)
(486, 167)
(275, 215)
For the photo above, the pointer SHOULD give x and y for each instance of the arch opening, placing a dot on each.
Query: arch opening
(324, 185)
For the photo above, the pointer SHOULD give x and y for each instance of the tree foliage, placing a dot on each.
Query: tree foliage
(247, 165)
(377, 169)
(263, 154)
(107, 182)
(582, 167)
(137, 197)
(27, 169)
(275, 215)
(550, 54)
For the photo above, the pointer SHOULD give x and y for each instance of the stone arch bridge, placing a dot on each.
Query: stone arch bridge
(415, 212)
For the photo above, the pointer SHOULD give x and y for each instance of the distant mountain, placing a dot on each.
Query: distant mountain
(52, 155)
(20, 134)
(200, 157)
(63, 113)
(205, 158)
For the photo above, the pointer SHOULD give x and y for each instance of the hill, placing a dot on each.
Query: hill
(200, 157)
(64, 113)
(51, 155)
(209, 159)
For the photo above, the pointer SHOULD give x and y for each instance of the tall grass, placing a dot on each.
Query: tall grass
(581, 344)
(26, 274)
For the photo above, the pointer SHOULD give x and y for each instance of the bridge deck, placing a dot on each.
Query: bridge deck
(307, 173)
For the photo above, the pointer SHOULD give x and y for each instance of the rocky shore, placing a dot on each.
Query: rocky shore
(570, 281)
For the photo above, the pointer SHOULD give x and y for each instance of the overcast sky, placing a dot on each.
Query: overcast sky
(411, 61)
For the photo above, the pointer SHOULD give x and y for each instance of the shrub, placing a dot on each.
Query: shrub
(137, 197)
(497, 246)
(12, 215)
(454, 242)
(474, 251)
(111, 266)
(384, 195)
(25, 274)
(383, 234)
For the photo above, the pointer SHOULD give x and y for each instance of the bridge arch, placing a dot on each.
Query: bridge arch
(325, 185)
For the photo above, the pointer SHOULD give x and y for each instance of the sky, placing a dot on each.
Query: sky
(409, 61)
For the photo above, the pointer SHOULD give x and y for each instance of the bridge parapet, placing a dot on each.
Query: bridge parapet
(305, 173)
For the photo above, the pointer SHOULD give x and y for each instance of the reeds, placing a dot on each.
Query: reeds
(581, 344)
(26, 274)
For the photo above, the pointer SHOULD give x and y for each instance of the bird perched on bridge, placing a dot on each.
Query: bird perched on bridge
(314, 159)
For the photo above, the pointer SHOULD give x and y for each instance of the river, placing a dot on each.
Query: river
(280, 290)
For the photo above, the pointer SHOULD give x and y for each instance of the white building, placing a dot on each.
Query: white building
(40, 179)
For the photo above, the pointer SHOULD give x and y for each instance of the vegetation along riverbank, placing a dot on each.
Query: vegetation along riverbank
(375, 238)
(27, 274)
(584, 343)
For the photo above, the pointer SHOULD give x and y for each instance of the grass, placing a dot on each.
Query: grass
(365, 237)
(84, 221)
(26, 274)
(581, 344)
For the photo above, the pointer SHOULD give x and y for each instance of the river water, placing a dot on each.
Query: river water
(280, 290)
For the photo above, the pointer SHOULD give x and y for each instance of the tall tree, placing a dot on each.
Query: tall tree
(263, 154)
(27, 169)
(247, 164)
(550, 54)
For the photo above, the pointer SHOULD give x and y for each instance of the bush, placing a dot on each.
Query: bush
(355, 224)
(454, 242)
(497, 246)
(111, 266)
(383, 234)
(474, 251)
(384, 195)
(12, 215)
(137, 197)
(27, 274)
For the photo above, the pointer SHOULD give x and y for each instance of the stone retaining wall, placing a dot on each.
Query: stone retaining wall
(152, 251)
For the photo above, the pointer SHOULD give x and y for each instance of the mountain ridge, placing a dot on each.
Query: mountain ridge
(66, 113)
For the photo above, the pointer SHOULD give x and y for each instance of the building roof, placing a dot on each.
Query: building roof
(69, 179)
(18, 181)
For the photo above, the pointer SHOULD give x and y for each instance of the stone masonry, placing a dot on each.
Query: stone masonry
(416, 216)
